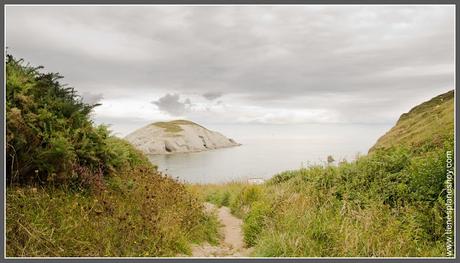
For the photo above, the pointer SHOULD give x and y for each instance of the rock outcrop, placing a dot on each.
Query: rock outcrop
(177, 136)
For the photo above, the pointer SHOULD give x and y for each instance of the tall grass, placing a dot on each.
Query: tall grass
(75, 190)
(388, 204)
(138, 214)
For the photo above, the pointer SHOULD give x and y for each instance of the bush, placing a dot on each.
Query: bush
(50, 136)
(48, 127)
(75, 190)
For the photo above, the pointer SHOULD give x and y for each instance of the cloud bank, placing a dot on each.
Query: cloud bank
(171, 104)
(261, 64)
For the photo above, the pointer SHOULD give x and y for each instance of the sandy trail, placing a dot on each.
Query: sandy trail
(232, 244)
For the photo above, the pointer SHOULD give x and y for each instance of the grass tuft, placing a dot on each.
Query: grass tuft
(174, 126)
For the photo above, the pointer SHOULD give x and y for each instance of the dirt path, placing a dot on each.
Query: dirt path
(232, 244)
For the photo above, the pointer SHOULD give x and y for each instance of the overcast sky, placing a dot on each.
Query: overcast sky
(242, 64)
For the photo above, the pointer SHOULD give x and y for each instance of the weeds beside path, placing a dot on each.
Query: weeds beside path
(232, 244)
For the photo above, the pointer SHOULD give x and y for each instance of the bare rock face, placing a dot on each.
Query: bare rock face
(177, 137)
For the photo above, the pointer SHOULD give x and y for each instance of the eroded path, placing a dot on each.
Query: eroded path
(232, 244)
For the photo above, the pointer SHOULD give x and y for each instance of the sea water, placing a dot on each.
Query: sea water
(270, 149)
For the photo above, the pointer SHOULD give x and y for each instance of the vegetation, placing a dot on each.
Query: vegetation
(75, 190)
(174, 126)
(221, 194)
(431, 120)
(390, 203)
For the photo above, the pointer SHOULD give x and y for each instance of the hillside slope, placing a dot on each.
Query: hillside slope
(390, 203)
(75, 190)
(177, 136)
(432, 121)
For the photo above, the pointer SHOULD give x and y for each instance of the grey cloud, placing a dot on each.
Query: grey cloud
(212, 95)
(276, 56)
(171, 104)
(91, 98)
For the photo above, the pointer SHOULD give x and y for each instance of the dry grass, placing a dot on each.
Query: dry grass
(217, 194)
(75, 190)
(139, 214)
(349, 211)
(174, 126)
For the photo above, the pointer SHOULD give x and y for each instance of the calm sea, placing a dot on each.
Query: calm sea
(269, 149)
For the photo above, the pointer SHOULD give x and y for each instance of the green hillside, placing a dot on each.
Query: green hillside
(174, 126)
(390, 203)
(73, 189)
(430, 121)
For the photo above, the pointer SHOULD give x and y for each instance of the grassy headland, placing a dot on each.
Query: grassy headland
(390, 203)
(174, 126)
(75, 190)
(432, 121)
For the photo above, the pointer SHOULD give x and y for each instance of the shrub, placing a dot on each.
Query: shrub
(50, 136)
(75, 190)
(48, 127)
